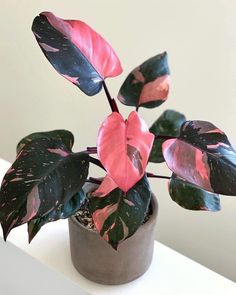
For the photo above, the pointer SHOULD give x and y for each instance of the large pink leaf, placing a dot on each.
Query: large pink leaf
(76, 51)
(124, 147)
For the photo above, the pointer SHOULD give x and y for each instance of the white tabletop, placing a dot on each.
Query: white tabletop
(170, 272)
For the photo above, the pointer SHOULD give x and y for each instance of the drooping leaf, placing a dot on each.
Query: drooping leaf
(118, 215)
(44, 176)
(169, 124)
(203, 156)
(191, 197)
(147, 85)
(64, 211)
(124, 147)
(64, 135)
(76, 51)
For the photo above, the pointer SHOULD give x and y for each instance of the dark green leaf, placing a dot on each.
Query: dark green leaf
(44, 176)
(169, 124)
(191, 197)
(118, 215)
(64, 211)
(148, 84)
(64, 135)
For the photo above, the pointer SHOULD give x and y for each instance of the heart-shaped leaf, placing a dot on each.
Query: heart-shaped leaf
(64, 135)
(147, 85)
(191, 197)
(124, 147)
(76, 51)
(203, 156)
(118, 215)
(169, 124)
(44, 176)
(64, 211)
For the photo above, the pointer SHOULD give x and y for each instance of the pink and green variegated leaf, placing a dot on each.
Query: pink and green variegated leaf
(76, 51)
(124, 147)
(168, 124)
(192, 197)
(64, 135)
(147, 85)
(45, 175)
(68, 209)
(118, 215)
(203, 155)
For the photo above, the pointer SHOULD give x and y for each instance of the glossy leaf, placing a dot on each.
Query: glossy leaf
(64, 135)
(64, 211)
(203, 156)
(44, 176)
(118, 215)
(147, 85)
(123, 148)
(76, 51)
(191, 197)
(169, 124)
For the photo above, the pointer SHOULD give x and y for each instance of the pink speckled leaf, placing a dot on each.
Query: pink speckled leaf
(203, 156)
(76, 51)
(118, 215)
(148, 84)
(44, 176)
(124, 147)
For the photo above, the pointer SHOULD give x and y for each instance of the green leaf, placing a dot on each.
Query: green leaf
(118, 215)
(191, 197)
(44, 176)
(64, 135)
(64, 211)
(148, 84)
(169, 123)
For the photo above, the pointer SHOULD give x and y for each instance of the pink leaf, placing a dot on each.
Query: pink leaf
(124, 147)
(105, 188)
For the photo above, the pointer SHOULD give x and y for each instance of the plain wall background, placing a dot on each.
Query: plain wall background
(200, 38)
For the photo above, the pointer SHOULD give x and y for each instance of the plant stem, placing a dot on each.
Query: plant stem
(96, 162)
(111, 100)
(164, 137)
(151, 175)
(94, 180)
(92, 150)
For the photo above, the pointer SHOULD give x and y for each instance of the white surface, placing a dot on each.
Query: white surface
(170, 272)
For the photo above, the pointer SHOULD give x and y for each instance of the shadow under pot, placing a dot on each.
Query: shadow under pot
(96, 260)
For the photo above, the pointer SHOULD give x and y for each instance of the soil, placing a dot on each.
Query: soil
(85, 218)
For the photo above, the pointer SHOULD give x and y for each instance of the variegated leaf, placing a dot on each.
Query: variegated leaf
(64, 135)
(64, 211)
(44, 176)
(147, 85)
(203, 155)
(76, 51)
(169, 124)
(191, 197)
(124, 147)
(118, 215)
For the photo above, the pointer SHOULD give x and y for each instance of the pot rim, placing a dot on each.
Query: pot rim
(151, 220)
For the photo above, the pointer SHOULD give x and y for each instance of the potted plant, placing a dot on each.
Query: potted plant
(48, 181)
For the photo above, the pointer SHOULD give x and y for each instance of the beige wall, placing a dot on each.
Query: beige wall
(200, 38)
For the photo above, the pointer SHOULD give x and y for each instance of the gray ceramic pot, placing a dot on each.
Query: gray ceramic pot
(96, 260)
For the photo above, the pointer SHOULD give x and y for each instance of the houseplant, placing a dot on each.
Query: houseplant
(45, 182)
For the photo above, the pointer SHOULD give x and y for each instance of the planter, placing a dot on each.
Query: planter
(96, 260)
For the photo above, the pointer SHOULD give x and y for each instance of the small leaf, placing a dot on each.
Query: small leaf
(118, 215)
(124, 147)
(64, 135)
(147, 85)
(203, 155)
(191, 197)
(44, 176)
(76, 51)
(105, 187)
(64, 211)
(169, 124)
